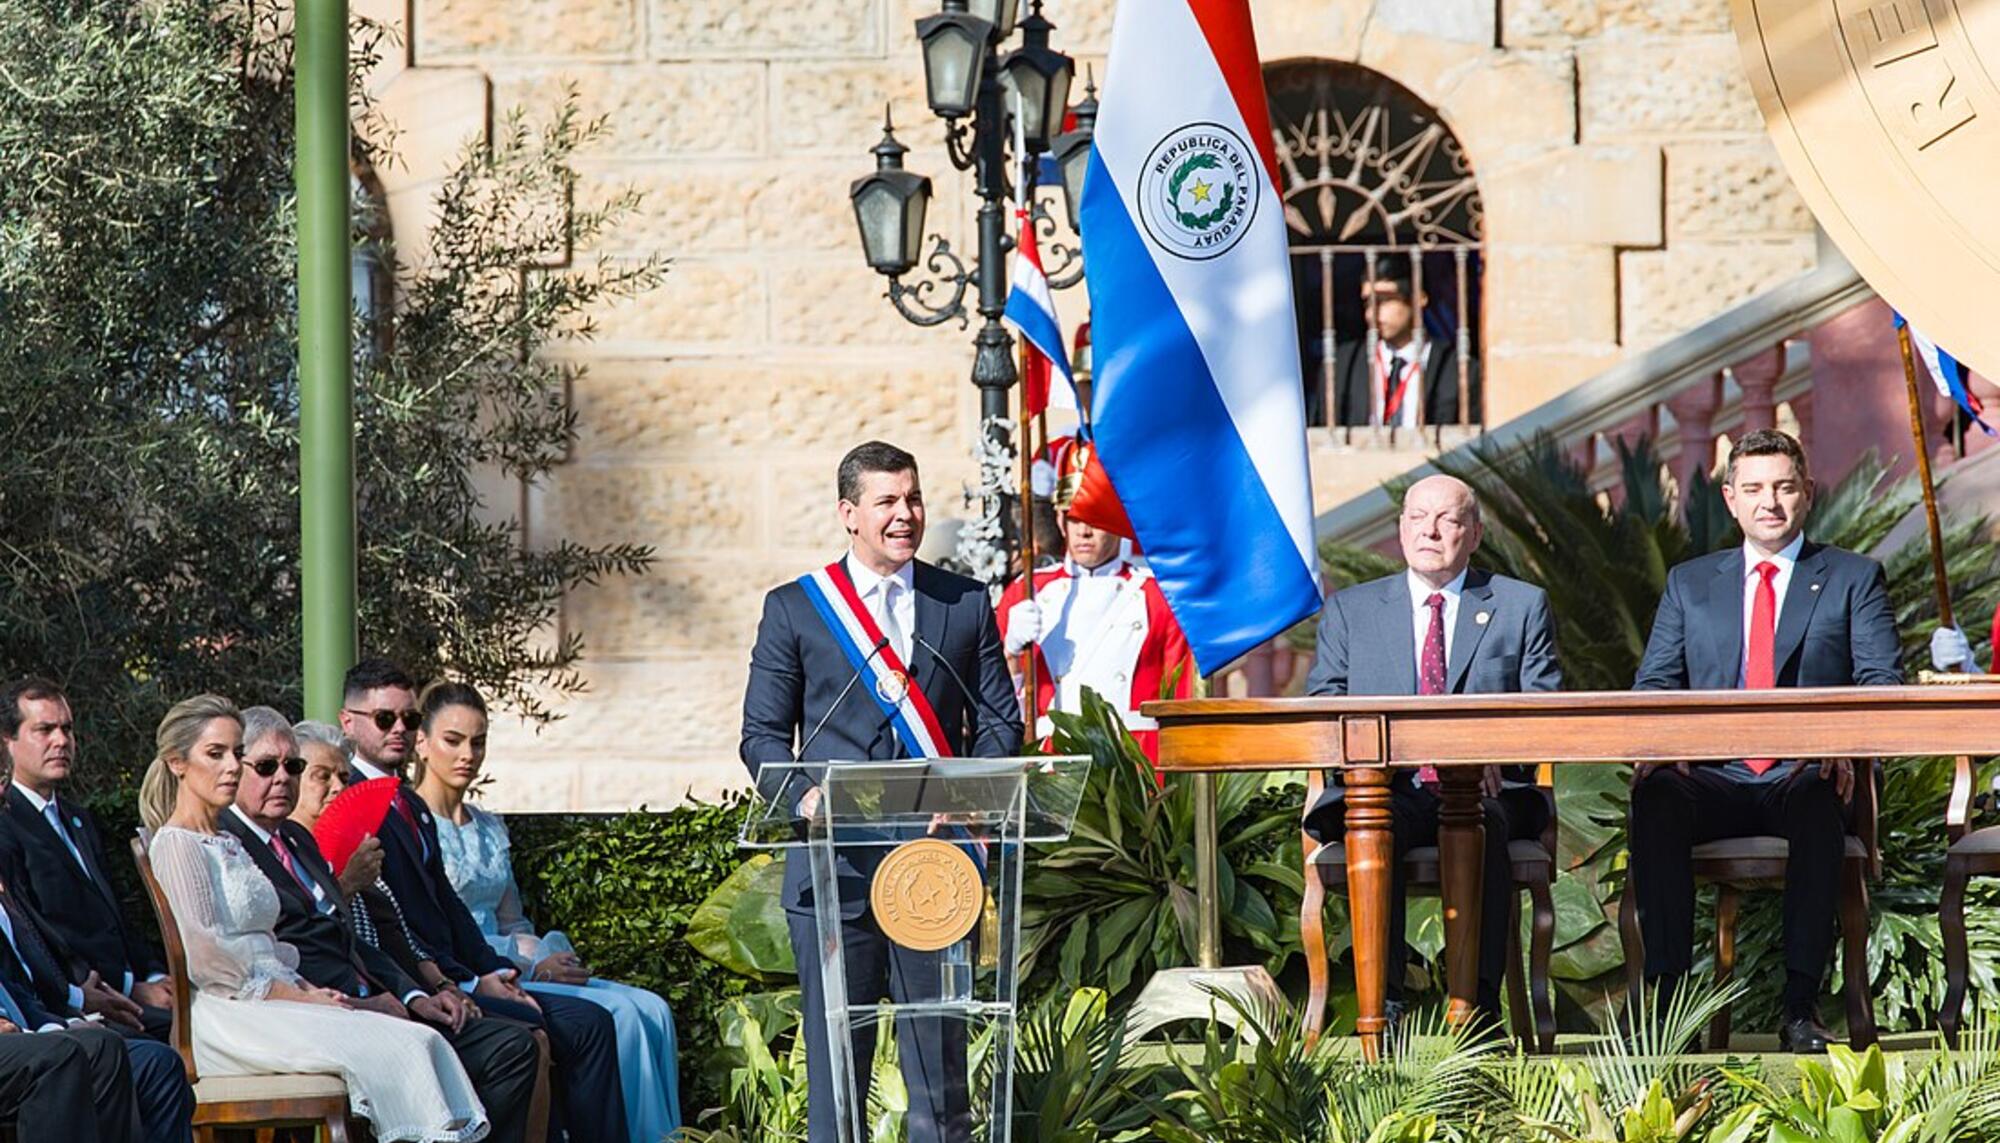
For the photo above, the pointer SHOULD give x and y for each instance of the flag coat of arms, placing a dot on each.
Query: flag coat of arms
(1198, 410)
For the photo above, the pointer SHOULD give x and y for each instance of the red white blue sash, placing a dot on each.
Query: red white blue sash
(887, 679)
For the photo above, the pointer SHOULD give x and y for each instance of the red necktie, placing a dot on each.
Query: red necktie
(1430, 668)
(1760, 673)
(1392, 394)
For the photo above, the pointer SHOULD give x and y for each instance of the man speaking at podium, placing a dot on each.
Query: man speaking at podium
(1441, 627)
(877, 656)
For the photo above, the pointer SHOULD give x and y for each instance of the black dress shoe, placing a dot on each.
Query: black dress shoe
(1805, 1036)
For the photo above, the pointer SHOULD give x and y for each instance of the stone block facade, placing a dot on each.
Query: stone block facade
(1629, 193)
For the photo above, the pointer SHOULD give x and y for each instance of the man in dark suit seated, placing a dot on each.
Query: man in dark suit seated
(60, 869)
(1399, 374)
(1779, 611)
(138, 1085)
(1441, 627)
(500, 1057)
(379, 716)
(933, 636)
(62, 1088)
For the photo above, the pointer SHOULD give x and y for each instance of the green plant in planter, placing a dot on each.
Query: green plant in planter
(1116, 901)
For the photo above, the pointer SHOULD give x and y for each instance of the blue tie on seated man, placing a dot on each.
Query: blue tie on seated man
(380, 718)
(1777, 611)
(1441, 626)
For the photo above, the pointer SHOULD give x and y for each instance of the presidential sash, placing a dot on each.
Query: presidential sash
(883, 673)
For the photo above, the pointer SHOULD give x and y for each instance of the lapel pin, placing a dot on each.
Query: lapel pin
(1482, 617)
(1815, 587)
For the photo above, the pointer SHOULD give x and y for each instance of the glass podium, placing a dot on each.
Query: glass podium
(913, 883)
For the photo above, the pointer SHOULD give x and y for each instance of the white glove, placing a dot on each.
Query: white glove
(1024, 626)
(1950, 650)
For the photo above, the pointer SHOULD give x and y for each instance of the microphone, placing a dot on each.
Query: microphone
(971, 696)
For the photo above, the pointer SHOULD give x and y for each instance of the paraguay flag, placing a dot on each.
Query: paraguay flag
(1946, 373)
(1199, 415)
(1031, 312)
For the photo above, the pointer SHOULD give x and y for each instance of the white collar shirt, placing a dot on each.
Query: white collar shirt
(1420, 613)
(1409, 377)
(1786, 559)
(872, 588)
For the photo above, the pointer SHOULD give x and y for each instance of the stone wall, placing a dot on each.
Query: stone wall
(1628, 186)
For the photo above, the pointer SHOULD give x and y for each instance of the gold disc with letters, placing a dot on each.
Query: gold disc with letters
(927, 895)
(1887, 117)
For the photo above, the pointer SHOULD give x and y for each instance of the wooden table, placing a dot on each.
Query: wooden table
(1366, 738)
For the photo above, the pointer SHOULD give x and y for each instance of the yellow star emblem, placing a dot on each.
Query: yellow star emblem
(1201, 190)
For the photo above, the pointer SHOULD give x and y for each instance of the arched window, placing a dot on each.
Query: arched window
(1381, 202)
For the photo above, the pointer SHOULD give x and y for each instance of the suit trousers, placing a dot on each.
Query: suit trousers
(1673, 812)
(932, 1049)
(502, 1059)
(159, 1084)
(1518, 814)
(48, 1091)
(583, 1047)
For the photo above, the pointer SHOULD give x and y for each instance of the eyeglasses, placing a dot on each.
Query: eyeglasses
(266, 767)
(386, 719)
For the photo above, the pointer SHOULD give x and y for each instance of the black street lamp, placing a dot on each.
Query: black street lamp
(973, 88)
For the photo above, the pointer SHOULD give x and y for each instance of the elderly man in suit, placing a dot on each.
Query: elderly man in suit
(1441, 627)
(57, 866)
(926, 651)
(1778, 611)
(314, 917)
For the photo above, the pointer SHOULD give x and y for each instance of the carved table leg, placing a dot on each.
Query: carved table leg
(1461, 869)
(1370, 849)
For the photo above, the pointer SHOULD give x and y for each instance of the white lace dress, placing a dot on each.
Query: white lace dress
(401, 1076)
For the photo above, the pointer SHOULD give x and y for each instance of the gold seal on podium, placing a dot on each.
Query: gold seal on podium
(927, 894)
(1887, 117)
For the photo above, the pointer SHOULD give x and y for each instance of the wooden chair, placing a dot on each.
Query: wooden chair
(1534, 871)
(1972, 853)
(1734, 865)
(260, 1102)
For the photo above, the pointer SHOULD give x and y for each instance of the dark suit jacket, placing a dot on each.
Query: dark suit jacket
(36, 979)
(329, 956)
(1835, 627)
(1353, 378)
(414, 871)
(797, 673)
(82, 910)
(1368, 644)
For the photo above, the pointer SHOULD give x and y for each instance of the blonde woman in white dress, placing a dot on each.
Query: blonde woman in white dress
(252, 1014)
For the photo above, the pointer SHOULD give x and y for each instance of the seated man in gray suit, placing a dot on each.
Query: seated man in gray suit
(1441, 627)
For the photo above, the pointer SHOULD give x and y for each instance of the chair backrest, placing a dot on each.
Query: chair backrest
(170, 934)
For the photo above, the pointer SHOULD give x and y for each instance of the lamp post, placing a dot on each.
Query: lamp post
(972, 86)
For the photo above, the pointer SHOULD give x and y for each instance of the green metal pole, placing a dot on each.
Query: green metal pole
(326, 382)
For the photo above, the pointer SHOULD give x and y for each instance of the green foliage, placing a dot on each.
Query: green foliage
(625, 889)
(1117, 901)
(150, 543)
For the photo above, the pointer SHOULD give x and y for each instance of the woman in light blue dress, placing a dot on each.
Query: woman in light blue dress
(478, 858)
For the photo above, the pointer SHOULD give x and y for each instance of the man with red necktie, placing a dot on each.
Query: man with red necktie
(1779, 611)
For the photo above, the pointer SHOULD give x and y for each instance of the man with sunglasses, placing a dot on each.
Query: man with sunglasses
(500, 1056)
(379, 716)
(57, 866)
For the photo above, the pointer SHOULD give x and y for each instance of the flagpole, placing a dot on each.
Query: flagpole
(1940, 582)
(1031, 683)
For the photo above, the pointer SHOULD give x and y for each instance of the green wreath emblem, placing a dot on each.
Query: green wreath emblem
(1199, 162)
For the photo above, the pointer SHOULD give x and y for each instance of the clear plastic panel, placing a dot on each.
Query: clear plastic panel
(888, 803)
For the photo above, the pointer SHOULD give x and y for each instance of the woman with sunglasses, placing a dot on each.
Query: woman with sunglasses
(450, 751)
(252, 1013)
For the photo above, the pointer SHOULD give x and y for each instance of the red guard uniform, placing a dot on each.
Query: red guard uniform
(1106, 628)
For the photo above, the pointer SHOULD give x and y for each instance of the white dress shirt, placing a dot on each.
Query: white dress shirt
(1410, 377)
(871, 588)
(1786, 559)
(1420, 615)
(369, 770)
(1079, 615)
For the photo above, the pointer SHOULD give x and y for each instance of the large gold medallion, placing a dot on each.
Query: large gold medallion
(927, 894)
(1888, 119)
